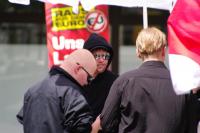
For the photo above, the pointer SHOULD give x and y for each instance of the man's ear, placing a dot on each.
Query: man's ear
(137, 53)
(163, 52)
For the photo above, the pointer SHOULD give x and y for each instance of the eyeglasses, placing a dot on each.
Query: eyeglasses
(102, 56)
(89, 77)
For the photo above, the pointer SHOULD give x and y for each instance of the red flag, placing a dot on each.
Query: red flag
(184, 45)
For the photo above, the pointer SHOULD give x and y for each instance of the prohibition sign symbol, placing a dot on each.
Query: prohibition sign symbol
(96, 21)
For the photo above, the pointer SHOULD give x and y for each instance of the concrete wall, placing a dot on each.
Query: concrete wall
(21, 66)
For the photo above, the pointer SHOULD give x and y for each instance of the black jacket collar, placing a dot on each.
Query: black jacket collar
(153, 63)
(58, 70)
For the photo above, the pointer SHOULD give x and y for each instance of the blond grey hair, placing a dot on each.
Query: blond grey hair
(150, 41)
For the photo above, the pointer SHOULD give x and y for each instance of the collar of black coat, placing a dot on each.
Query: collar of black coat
(57, 70)
(153, 63)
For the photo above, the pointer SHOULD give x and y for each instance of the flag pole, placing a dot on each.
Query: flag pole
(145, 17)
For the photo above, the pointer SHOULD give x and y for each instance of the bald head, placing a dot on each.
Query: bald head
(78, 59)
(85, 59)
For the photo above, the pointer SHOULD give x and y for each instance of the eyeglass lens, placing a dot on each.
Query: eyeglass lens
(102, 56)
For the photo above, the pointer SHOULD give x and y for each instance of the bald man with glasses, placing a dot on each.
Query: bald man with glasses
(56, 104)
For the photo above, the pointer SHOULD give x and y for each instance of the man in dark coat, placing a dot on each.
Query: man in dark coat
(192, 111)
(143, 100)
(56, 104)
(97, 91)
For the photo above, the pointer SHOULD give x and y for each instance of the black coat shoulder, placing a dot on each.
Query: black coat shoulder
(97, 92)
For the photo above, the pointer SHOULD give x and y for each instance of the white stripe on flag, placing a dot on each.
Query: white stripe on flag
(185, 73)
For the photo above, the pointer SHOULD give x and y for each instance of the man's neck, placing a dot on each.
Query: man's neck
(153, 58)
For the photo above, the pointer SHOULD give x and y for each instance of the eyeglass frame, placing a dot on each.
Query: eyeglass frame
(90, 78)
(102, 56)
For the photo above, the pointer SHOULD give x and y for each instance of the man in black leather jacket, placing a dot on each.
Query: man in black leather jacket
(56, 104)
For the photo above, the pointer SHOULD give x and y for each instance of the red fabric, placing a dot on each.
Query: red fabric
(184, 29)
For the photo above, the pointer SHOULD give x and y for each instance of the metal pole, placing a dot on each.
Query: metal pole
(145, 17)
